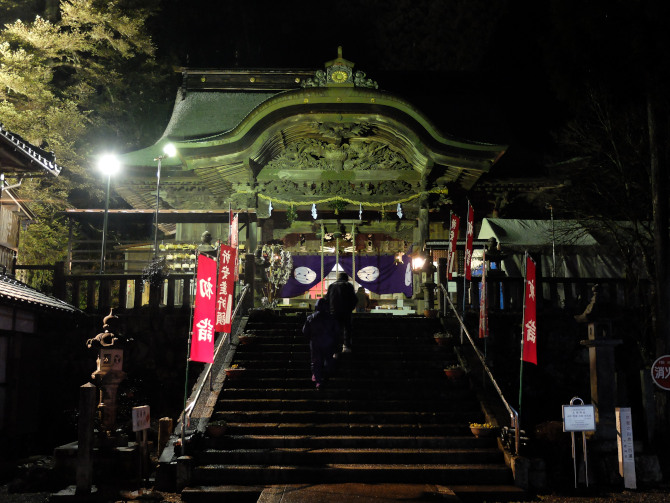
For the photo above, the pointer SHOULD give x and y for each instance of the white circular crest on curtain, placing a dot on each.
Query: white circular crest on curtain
(369, 273)
(304, 275)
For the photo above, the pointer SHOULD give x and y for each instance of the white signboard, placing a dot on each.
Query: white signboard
(624, 428)
(141, 418)
(579, 418)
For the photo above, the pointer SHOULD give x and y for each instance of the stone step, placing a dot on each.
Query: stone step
(245, 380)
(349, 440)
(303, 353)
(342, 472)
(449, 393)
(350, 428)
(295, 404)
(380, 375)
(399, 366)
(361, 348)
(344, 416)
(307, 456)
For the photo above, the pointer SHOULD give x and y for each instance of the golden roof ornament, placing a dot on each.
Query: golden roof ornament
(340, 73)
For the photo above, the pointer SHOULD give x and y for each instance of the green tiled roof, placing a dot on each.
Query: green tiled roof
(199, 115)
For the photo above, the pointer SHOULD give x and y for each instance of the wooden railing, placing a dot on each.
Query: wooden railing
(99, 292)
(506, 294)
(93, 292)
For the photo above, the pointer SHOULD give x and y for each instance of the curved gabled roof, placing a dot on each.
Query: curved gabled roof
(210, 128)
(299, 135)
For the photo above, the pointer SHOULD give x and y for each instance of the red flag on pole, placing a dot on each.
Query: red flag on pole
(453, 239)
(230, 224)
(225, 288)
(529, 341)
(202, 335)
(234, 228)
(233, 231)
(469, 238)
(483, 304)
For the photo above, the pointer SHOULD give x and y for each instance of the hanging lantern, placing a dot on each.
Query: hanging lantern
(399, 211)
(314, 214)
(360, 211)
(270, 208)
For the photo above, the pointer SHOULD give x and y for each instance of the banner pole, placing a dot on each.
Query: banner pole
(523, 317)
(353, 254)
(188, 358)
(463, 309)
(322, 267)
(467, 262)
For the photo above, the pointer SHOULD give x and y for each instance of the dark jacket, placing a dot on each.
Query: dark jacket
(342, 298)
(320, 325)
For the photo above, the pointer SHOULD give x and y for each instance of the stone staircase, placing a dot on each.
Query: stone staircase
(388, 415)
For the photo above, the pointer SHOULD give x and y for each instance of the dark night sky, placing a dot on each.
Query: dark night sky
(473, 66)
(506, 71)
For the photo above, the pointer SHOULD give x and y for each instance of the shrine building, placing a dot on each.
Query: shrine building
(325, 161)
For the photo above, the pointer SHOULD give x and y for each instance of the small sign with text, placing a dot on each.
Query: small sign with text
(141, 418)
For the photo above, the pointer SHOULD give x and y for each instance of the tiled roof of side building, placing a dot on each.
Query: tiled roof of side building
(31, 153)
(12, 290)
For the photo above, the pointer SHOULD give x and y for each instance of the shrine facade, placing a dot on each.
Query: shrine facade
(319, 159)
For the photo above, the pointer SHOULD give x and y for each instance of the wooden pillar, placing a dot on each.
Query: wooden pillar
(87, 403)
(603, 387)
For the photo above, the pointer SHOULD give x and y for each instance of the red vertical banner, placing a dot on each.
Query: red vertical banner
(469, 239)
(225, 288)
(233, 240)
(529, 315)
(234, 227)
(483, 303)
(453, 239)
(202, 336)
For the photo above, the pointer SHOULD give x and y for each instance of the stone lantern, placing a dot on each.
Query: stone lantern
(109, 373)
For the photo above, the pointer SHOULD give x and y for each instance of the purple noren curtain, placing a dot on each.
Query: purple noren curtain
(379, 273)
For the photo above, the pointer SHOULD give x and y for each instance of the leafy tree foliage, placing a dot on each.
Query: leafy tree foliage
(73, 86)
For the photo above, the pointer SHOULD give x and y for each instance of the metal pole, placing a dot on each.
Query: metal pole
(322, 271)
(523, 317)
(353, 254)
(553, 244)
(104, 227)
(158, 184)
(188, 360)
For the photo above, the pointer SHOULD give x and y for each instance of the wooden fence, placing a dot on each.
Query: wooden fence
(98, 292)
(506, 294)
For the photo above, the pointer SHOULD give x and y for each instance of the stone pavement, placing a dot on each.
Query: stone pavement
(356, 493)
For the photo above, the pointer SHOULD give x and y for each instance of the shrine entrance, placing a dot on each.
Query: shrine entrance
(306, 155)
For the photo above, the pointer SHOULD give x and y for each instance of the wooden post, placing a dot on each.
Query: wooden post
(87, 403)
(165, 428)
(59, 280)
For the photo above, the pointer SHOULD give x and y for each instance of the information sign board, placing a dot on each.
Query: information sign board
(141, 418)
(626, 450)
(579, 418)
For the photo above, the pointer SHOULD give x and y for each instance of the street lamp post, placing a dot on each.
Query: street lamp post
(169, 150)
(109, 165)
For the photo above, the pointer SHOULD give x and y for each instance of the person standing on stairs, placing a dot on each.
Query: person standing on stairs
(343, 300)
(363, 301)
(320, 329)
